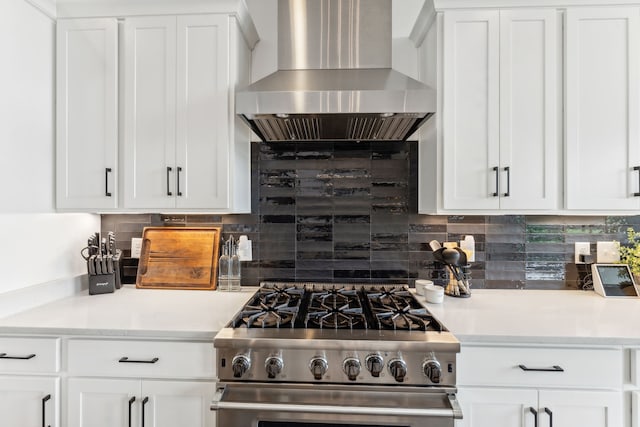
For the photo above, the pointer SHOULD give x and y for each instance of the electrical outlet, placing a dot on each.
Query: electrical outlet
(608, 252)
(582, 248)
(136, 247)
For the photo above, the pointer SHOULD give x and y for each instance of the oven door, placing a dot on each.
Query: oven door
(320, 405)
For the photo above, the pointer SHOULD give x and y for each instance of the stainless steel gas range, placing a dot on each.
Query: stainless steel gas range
(326, 355)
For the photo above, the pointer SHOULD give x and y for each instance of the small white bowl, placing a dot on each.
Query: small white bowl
(434, 294)
(420, 285)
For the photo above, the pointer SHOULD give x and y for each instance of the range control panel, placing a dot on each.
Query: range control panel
(362, 367)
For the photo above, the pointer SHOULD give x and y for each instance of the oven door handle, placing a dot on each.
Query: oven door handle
(455, 411)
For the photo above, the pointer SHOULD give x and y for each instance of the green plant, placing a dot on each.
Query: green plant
(630, 253)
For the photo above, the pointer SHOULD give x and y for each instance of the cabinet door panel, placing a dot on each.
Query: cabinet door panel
(87, 127)
(529, 136)
(21, 401)
(581, 408)
(102, 403)
(602, 55)
(471, 109)
(497, 407)
(173, 403)
(149, 112)
(203, 111)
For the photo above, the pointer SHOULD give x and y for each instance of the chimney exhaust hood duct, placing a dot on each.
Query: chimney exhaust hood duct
(334, 80)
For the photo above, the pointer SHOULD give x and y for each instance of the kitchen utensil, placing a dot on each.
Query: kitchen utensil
(91, 265)
(434, 245)
(450, 256)
(463, 262)
(437, 255)
(456, 286)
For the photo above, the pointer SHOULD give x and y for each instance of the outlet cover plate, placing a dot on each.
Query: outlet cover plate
(582, 248)
(608, 252)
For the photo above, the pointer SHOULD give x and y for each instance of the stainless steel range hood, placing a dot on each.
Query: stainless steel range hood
(334, 80)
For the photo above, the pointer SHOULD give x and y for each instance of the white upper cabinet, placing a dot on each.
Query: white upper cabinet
(202, 121)
(176, 112)
(149, 112)
(179, 145)
(602, 114)
(471, 113)
(500, 135)
(87, 114)
(530, 140)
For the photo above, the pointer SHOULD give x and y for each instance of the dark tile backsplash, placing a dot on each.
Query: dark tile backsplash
(346, 212)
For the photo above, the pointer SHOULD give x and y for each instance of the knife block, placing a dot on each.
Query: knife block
(102, 284)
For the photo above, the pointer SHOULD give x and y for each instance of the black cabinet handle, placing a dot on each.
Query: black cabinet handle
(535, 416)
(4, 356)
(127, 360)
(637, 168)
(144, 402)
(168, 172)
(106, 182)
(133, 399)
(548, 411)
(497, 171)
(179, 170)
(44, 403)
(554, 368)
(507, 169)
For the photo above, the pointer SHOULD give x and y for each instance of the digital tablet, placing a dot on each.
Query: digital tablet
(614, 280)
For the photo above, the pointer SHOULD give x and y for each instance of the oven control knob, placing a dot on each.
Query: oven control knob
(273, 365)
(432, 370)
(318, 367)
(351, 367)
(398, 369)
(375, 364)
(240, 365)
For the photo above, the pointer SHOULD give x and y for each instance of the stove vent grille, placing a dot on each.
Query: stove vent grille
(336, 127)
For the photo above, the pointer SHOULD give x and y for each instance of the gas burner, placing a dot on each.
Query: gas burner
(280, 294)
(404, 318)
(272, 307)
(339, 317)
(397, 309)
(264, 316)
(336, 308)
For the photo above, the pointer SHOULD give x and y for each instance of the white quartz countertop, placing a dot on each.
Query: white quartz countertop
(496, 316)
(186, 314)
(540, 316)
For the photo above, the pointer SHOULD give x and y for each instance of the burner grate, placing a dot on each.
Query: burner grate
(397, 309)
(336, 308)
(272, 307)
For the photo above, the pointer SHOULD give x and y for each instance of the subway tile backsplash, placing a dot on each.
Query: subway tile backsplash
(346, 212)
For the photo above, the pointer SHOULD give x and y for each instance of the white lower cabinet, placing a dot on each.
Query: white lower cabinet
(29, 381)
(139, 383)
(139, 403)
(27, 401)
(539, 386)
(496, 407)
(506, 407)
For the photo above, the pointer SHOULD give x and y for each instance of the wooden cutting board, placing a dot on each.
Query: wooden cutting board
(179, 258)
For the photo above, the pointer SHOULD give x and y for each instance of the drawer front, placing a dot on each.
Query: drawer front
(141, 359)
(540, 366)
(29, 355)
